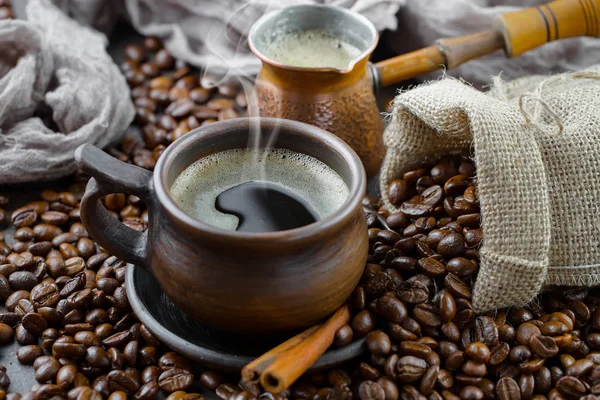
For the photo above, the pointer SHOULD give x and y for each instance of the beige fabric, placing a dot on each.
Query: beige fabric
(536, 145)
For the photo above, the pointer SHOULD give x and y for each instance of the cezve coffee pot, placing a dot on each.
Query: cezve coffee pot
(342, 101)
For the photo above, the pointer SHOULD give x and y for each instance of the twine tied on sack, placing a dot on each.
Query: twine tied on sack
(537, 96)
(537, 185)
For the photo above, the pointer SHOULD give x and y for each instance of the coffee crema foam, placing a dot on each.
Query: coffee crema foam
(195, 190)
(312, 49)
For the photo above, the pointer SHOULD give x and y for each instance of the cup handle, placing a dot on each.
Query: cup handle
(110, 175)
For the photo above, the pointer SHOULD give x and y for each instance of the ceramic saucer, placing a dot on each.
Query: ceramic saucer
(224, 351)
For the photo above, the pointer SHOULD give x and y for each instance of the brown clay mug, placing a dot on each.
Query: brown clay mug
(235, 281)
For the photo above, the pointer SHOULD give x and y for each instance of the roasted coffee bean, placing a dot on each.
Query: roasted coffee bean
(426, 315)
(362, 323)
(479, 352)
(97, 357)
(147, 356)
(457, 287)
(378, 343)
(4, 379)
(579, 367)
(44, 295)
(24, 307)
(461, 267)
(73, 285)
(543, 346)
(103, 331)
(432, 267)
(13, 300)
(68, 350)
(441, 172)
(117, 361)
(10, 318)
(34, 323)
(423, 183)
(173, 360)
(147, 391)
(410, 369)
(570, 387)
(87, 338)
(452, 245)
(23, 217)
(5, 289)
(519, 353)
(24, 337)
(526, 331)
(338, 377)
(391, 309)
(398, 191)
(6, 334)
(474, 368)
(51, 315)
(46, 368)
(211, 379)
(22, 280)
(175, 379)
(74, 266)
(118, 380)
(369, 390)
(78, 299)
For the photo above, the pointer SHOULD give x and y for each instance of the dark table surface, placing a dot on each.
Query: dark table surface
(22, 377)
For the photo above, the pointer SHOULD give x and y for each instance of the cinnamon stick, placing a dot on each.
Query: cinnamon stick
(289, 365)
(251, 372)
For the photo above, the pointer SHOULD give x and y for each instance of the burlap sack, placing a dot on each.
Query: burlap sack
(536, 145)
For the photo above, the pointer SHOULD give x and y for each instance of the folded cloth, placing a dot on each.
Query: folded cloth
(58, 89)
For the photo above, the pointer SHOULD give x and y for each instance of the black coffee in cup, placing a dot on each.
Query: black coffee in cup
(263, 190)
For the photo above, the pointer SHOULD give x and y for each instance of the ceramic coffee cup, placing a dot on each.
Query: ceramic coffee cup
(235, 281)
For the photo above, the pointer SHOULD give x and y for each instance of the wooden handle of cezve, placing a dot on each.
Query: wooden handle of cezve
(515, 32)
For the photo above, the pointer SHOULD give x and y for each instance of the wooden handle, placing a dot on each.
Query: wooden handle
(527, 29)
(515, 32)
(461, 49)
(447, 53)
(409, 65)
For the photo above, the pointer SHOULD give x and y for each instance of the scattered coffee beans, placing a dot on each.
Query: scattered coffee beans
(171, 99)
(67, 306)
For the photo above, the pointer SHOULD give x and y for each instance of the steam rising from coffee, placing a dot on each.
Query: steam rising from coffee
(319, 184)
(243, 18)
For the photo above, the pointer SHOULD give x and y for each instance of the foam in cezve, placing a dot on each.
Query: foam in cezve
(197, 187)
(312, 49)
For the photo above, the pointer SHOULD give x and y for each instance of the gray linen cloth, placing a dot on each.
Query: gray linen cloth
(211, 33)
(58, 89)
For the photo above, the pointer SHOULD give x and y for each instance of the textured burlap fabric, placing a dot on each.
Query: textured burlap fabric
(536, 145)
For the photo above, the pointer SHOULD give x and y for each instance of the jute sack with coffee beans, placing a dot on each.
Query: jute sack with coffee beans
(536, 145)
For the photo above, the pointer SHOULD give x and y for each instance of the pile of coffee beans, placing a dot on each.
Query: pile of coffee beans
(5, 10)
(66, 305)
(68, 309)
(414, 308)
(171, 99)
